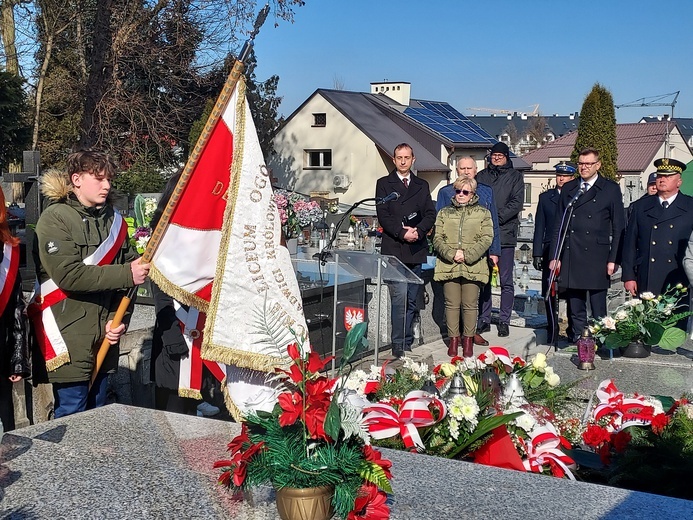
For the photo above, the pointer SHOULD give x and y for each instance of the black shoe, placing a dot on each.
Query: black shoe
(407, 348)
(483, 327)
(503, 330)
(398, 352)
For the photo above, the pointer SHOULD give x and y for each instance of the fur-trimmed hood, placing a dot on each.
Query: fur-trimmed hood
(55, 185)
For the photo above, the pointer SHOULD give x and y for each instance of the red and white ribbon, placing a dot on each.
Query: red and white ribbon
(384, 421)
(47, 294)
(190, 376)
(633, 411)
(543, 448)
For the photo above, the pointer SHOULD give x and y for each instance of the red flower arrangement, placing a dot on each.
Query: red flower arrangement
(312, 438)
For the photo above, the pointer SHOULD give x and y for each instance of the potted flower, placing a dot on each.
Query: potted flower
(296, 212)
(641, 323)
(312, 443)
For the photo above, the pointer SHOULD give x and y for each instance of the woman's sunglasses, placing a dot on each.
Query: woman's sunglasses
(463, 192)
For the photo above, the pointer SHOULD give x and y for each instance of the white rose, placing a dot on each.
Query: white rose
(621, 315)
(553, 380)
(647, 296)
(609, 323)
(539, 361)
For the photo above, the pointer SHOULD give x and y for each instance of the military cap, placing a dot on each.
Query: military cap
(565, 168)
(666, 166)
(652, 178)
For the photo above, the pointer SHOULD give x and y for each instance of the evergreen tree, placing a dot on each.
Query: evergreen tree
(15, 132)
(597, 129)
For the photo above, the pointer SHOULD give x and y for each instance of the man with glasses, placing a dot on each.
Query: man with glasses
(593, 238)
(466, 168)
(657, 234)
(508, 188)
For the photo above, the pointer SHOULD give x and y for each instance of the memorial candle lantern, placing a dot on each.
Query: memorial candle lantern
(586, 349)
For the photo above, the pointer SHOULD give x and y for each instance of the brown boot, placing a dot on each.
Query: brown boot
(478, 340)
(454, 345)
(468, 346)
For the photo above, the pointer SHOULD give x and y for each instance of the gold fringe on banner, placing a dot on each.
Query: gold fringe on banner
(57, 361)
(176, 292)
(190, 393)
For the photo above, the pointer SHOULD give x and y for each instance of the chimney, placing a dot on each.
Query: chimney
(399, 91)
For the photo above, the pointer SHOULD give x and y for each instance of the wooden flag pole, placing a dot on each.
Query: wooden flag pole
(157, 235)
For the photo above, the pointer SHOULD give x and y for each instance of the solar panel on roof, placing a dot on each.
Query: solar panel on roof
(448, 122)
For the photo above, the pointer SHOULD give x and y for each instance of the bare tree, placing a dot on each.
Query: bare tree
(536, 130)
(513, 135)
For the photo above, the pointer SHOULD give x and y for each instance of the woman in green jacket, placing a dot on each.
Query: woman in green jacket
(463, 234)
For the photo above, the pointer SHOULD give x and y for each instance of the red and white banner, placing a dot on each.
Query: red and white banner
(9, 267)
(255, 287)
(220, 254)
(46, 295)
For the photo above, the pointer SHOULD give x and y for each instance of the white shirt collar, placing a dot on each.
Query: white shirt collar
(669, 200)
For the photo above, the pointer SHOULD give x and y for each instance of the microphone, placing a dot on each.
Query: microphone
(392, 196)
(576, 197)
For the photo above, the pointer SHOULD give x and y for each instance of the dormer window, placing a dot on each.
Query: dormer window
(319, 119)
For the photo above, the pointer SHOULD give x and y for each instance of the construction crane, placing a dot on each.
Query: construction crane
(534, 112)
(655, 102)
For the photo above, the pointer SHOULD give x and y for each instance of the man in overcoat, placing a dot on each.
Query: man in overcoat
(590, 212)
(406, 220)
(543, 233)
(657, 234)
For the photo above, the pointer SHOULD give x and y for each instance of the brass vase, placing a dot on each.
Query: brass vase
(305, 504)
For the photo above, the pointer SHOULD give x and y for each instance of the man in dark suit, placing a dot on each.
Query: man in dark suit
(657, 234)
(406, 221)
(590, 212)
(543, 233)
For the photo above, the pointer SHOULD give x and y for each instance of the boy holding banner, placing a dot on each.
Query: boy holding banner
(83, 259)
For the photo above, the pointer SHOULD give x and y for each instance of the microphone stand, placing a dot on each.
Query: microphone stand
(324, 254)
(548, 297)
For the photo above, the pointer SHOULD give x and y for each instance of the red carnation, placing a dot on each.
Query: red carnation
(659, 422)
(595, 435)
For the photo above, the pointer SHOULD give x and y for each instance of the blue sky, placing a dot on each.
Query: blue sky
(502, 54)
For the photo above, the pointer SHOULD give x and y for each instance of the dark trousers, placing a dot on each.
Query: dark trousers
(169, 400)
(403, 306)
(506, 262)
(552, 328)
(71, 398)
(6, 404)
(577, 302)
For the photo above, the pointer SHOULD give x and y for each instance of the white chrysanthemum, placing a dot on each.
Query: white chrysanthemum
(453, 428)
(647, 296)
(633, 302)
(621, 315)
(464, 407)
(375, 373)
(142, 242)
(526, 422)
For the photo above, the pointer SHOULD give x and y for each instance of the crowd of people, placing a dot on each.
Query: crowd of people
(582, 235)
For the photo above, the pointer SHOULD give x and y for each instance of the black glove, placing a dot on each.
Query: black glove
(537, 263)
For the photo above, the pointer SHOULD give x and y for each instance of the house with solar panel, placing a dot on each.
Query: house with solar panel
(639, 145)
(338, 143)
